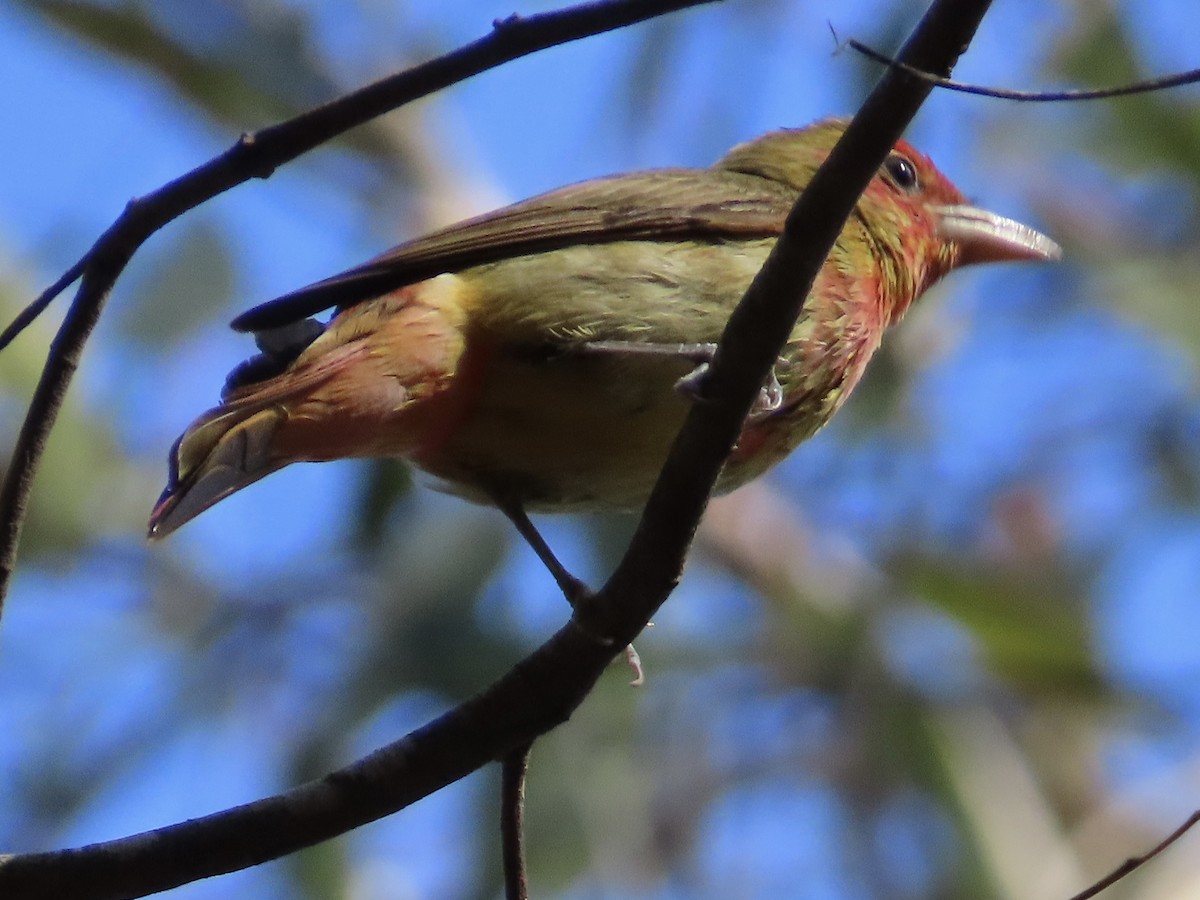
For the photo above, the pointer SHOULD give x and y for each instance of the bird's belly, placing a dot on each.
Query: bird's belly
(589, 433)
(565, 433)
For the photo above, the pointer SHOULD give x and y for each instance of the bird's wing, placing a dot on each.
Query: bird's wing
(667, 204)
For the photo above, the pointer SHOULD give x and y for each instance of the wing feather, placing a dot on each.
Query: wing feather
(662, 205)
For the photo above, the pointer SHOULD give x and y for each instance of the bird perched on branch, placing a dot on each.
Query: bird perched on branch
(543, 356)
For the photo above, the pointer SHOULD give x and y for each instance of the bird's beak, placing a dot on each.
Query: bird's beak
(986, 237)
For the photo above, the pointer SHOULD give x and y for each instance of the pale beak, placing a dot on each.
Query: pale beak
(986, 237)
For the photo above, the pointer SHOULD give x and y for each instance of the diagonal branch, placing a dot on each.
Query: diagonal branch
(538, 694)
(1136, 862)
(544, 689)
(257, 155)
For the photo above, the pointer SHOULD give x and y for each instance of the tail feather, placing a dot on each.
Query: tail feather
(235, 444)
(374, 383)
(225, 450)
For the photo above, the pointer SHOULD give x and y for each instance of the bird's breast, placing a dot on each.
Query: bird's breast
(558, 428)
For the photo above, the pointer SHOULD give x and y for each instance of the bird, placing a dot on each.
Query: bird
(542, 357)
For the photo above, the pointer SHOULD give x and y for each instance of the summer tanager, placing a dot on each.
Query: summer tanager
(543, 356)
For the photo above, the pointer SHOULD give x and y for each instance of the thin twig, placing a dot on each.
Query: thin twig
(258, 155)
(1136, 862)
(1124, 90)
(512, 823)
(61, 363)
(25, 317)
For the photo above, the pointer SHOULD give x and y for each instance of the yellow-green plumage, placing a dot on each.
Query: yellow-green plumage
(508, 355)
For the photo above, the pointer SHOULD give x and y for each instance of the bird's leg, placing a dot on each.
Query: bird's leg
(573, 589)
(691, 385)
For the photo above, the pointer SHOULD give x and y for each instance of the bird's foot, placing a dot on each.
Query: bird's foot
(578, 593)
(769, 399)
(692, 384)
(574, 589)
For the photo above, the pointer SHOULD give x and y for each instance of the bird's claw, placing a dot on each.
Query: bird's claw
(692, 384)
(635, 664)
(769, 399)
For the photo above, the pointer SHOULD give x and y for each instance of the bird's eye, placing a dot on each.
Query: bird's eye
(903, 173)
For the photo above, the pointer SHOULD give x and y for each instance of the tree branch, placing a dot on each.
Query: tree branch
(1136, 862)
(514, 767)
(535, 696)
(1150, 85)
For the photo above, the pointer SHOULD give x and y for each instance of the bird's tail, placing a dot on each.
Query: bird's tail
(379, 382)
(235, 444)
(223, 451)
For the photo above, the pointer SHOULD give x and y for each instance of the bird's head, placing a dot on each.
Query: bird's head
(915, 221)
